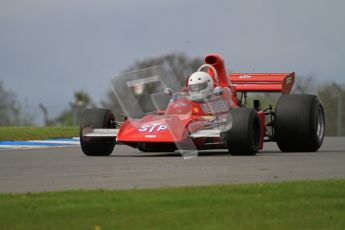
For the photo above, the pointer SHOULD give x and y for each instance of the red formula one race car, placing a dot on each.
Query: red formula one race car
(207, 111)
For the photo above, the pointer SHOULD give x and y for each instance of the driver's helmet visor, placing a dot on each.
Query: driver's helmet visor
(197, 87)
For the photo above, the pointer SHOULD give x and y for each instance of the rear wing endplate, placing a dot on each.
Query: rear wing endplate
(262, 82)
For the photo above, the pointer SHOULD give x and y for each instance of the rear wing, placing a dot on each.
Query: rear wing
(262, 82)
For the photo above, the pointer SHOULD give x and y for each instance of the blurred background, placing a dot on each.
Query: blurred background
(57, 57)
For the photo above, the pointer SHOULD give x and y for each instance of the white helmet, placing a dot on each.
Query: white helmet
(200, 85)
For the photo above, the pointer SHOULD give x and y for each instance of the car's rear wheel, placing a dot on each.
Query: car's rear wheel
(300, 123)
(92, 119)
(244, 136)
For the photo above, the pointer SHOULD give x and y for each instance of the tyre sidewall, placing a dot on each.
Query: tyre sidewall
(92, 119)
(243, 137)
(296, 123)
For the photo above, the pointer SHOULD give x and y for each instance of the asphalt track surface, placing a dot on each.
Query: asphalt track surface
(56, 169)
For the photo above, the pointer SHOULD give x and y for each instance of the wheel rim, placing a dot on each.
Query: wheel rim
(320, 123)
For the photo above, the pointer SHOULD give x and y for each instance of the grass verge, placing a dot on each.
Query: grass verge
(36, 133)
(291, 205)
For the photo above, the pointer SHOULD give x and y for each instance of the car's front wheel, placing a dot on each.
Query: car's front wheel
(244, 136)
(92, 119)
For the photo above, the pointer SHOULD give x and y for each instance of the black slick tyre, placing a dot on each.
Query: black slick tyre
(244, 136)
(97, 118)
(299, 123)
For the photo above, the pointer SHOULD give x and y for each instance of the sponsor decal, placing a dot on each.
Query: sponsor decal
(180, 104)
(245, 76)
(154, 127)
(196, 109)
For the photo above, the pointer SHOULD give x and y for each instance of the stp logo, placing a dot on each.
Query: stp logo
(153, 128)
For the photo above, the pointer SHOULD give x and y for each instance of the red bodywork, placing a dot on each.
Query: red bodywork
(173, 125)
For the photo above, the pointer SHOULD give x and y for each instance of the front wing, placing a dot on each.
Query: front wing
(101, 133)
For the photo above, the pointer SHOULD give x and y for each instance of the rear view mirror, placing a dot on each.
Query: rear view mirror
(168, 91)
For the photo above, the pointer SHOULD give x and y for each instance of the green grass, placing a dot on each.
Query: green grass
(292, 205)
(36, 133)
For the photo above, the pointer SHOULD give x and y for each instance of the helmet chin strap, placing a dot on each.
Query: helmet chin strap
(213, 69)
